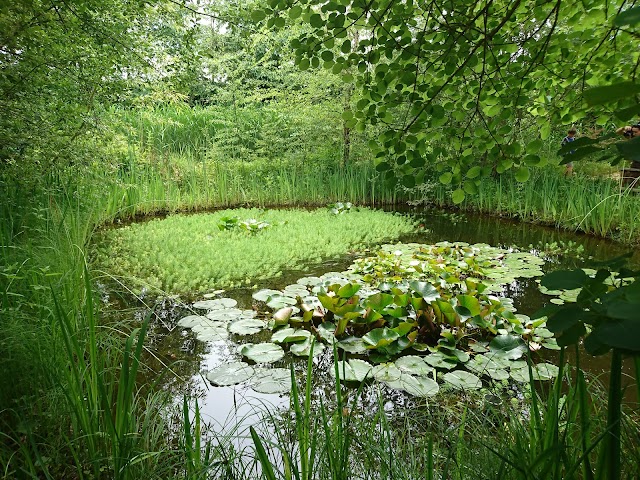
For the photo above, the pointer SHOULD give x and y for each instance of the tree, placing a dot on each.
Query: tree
(470, 87)
(58, 60)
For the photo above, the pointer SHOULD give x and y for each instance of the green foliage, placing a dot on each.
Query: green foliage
(593, 205)
(394, 313)
(188, 254)
(605, 318)
(454, 93)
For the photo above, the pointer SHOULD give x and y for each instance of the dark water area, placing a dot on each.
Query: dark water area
(226, 408)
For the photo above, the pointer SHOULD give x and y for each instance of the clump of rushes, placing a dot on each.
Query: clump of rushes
(190, 254)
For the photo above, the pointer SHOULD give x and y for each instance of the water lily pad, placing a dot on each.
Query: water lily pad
(216, 304)
(191, 321)
(288, 335)
(207, 324)
(414, 365)
(309, 281)
(353, 370)
(438, 360)
(303, 349)
(280, 301)
(418, 386)
(247, 326)
(296, 290)
(212, 334)
(545, 371)
(352, 345)
(386, 372)
(508, 346)
(226, 314)
(462, 380)
(325, 330)
(230, 374)
(262, 352)
(380, 337)
(483, 365)
(265, 294)
(271, 380)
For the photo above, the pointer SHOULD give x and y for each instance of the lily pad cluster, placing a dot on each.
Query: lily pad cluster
(415, 324)
(260, 379)
(449, 263)
(458, 327)
(221, 319)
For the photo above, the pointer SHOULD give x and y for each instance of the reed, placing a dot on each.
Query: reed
(599, 206)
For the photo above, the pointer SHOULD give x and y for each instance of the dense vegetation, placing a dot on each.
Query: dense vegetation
(117, 109)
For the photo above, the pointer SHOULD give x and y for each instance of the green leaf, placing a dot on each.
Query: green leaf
(271, 380)
(474, 172)
(462, 380)
(534, 146)
(564, 279)
(379, 337)
(230, 374)
(630, 16)
(414, 365)
(247, 326)
(258, 15)
(288, 335)
(316, 20)
(508, 346)
(261, 352)
(353, 370)
(425, 289)
(471, 303)
(445, 178)
(610, 93)
(458, 196)
(522, 174)
(295, 12)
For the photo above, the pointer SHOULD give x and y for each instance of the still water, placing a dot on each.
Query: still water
(226, 408)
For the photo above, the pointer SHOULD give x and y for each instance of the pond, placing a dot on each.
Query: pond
(226, 407)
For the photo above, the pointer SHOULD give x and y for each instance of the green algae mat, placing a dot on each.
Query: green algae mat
(231, 248)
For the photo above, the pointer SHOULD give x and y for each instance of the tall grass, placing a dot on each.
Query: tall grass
(144, 190)
(599, 206)
(559, 434)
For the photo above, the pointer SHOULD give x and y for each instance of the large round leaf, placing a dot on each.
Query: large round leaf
(386, 372)
(216, 304)
(379, 337)
(288, 335)
(508, 346)
(303, 349)
(247, 326)
(226, 314)
(265, 294)
(262, 352)
(352, 345)
(414, 365)
(280, 301)
(418, 386)
(353, 370)
(191, 321)
(230, 374)
(271, 380)
(439, 360)
(462, 380)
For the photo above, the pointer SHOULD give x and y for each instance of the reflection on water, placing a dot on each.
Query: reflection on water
(226, 407)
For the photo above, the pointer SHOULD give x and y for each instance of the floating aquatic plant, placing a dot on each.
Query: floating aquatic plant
(421, 322)
(189, 253)
(449, 263)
